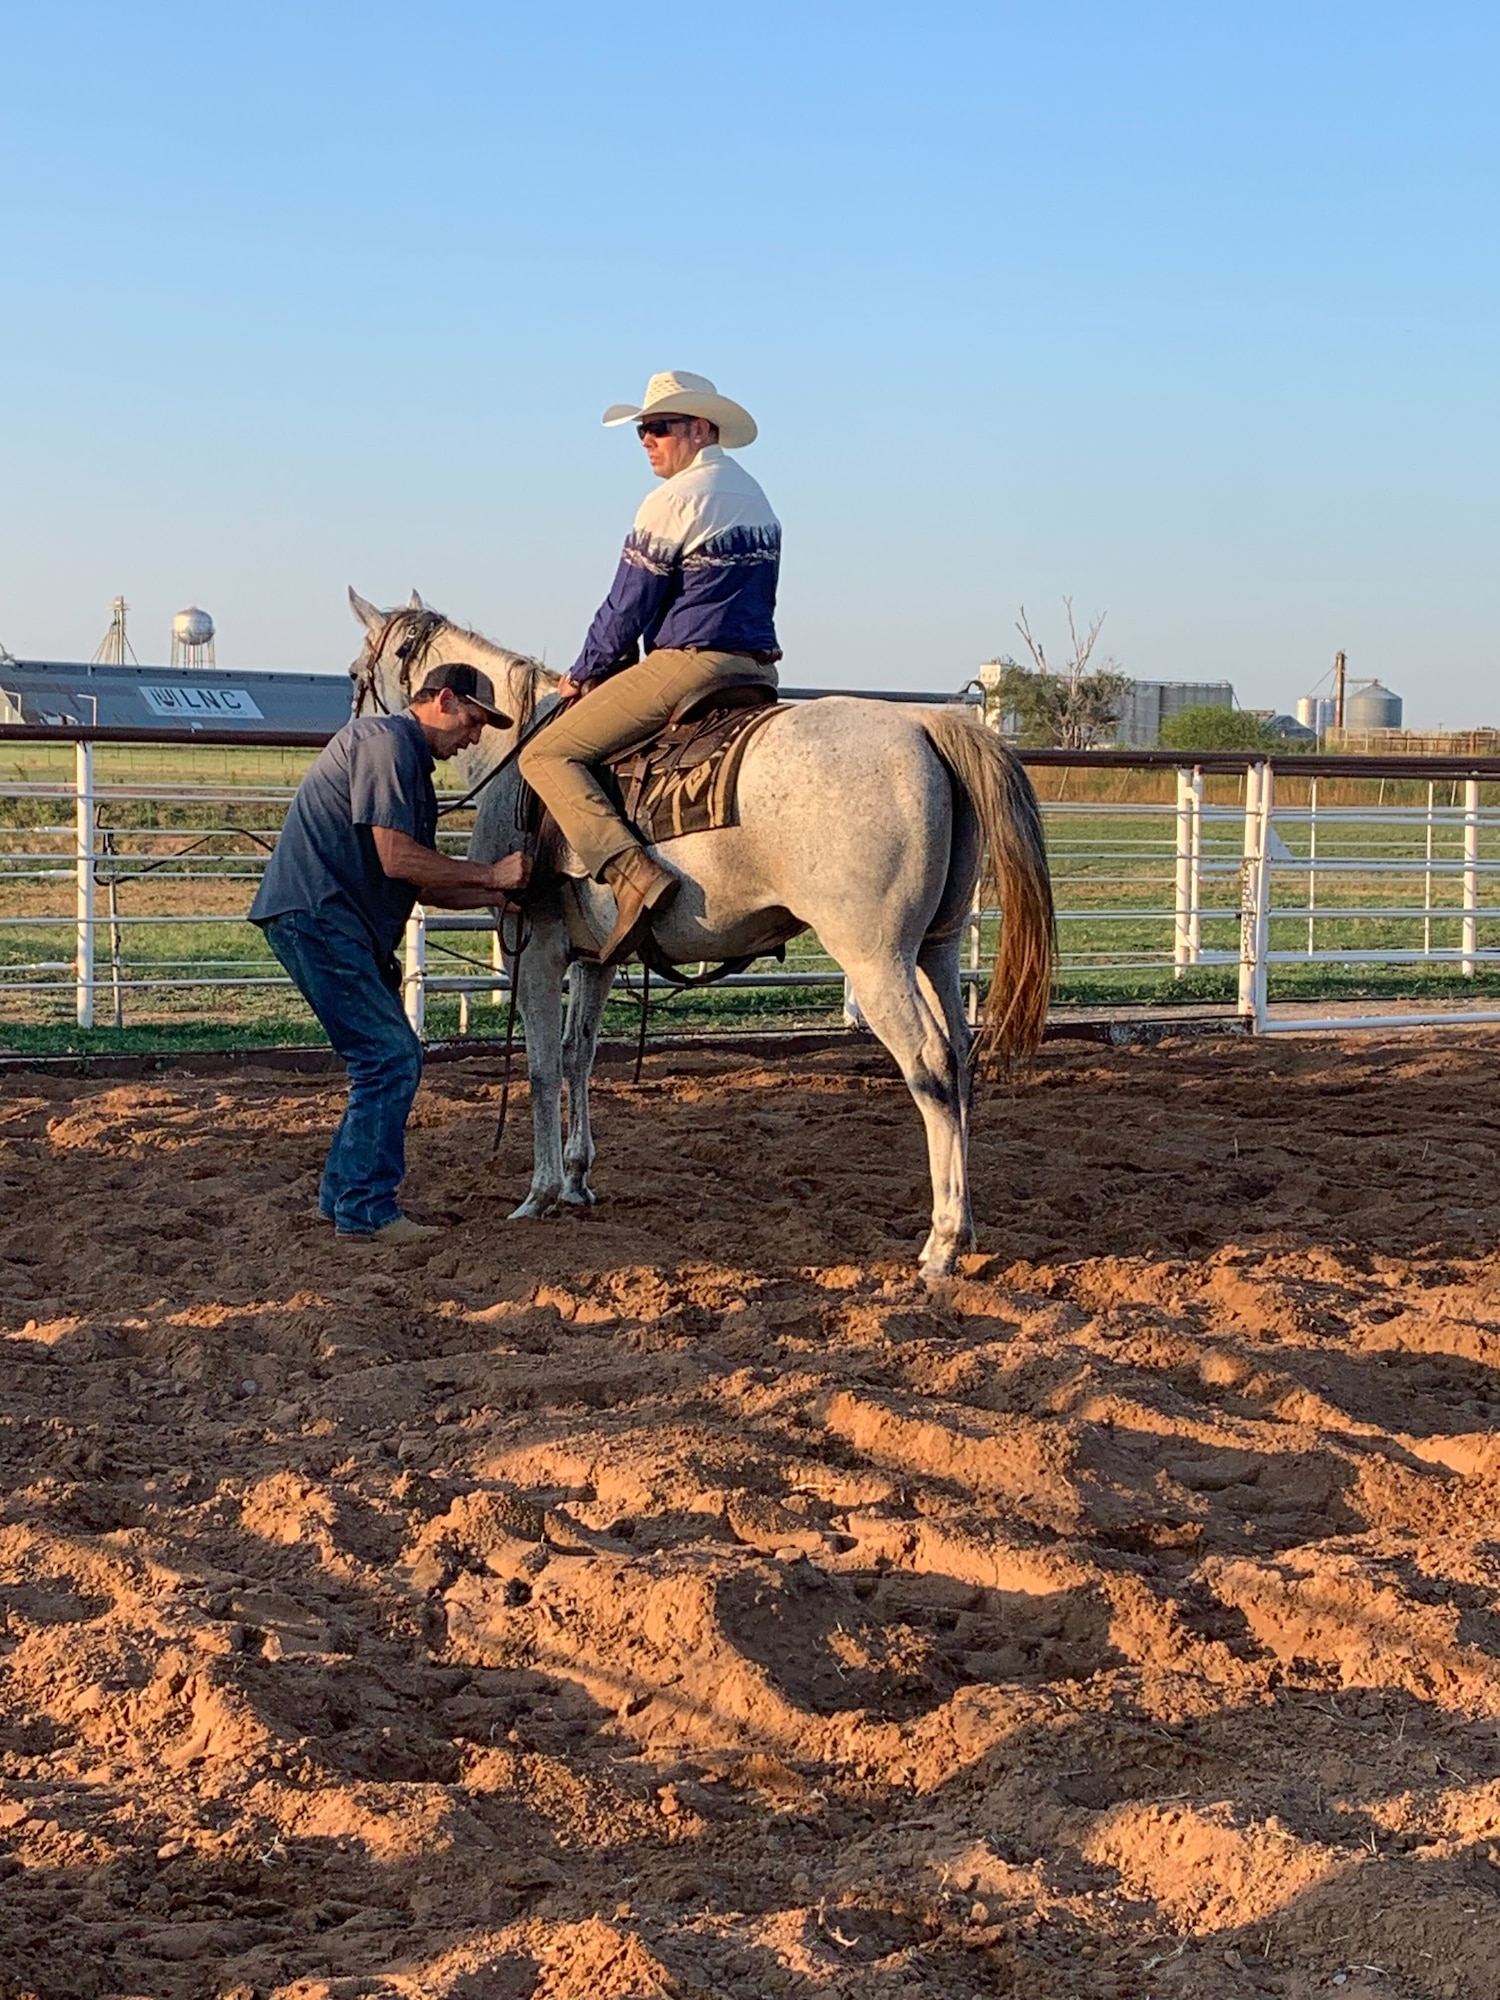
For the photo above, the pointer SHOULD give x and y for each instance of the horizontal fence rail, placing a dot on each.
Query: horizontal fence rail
(1257, 882)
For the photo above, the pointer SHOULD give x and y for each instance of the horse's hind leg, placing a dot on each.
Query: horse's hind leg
(939, 956)
(588, 989)
(917, 1035)
(938, 974)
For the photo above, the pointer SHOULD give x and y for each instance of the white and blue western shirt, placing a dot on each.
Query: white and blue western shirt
(698, 570)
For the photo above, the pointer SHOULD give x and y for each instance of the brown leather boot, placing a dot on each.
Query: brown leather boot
(641, 887)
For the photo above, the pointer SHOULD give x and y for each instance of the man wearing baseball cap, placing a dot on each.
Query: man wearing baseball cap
(358, 847)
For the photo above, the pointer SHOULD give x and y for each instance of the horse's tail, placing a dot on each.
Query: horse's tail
(1010, 820)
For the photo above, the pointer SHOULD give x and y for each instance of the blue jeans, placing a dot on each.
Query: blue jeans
(357, 998)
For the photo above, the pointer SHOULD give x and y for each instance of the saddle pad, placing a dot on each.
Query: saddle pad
(678, 786)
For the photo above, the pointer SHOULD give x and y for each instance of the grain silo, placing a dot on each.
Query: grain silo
(1372, 706)
(1315, 712)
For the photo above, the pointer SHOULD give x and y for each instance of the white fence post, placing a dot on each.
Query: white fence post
(1312, 865)
(1195, 901)
(414, 980)
(976, 921)
(1183, 885)
(1255, 890)
(1263, 899)
(1247, 894)
(1471, 875)
(83, 962)
(1187, 937)
(1427, 880)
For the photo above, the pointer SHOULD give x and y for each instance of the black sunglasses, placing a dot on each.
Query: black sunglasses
(660, 427)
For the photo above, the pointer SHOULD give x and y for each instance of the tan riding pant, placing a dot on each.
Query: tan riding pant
(615, 715)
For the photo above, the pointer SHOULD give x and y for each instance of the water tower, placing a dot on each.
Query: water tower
(192, 638)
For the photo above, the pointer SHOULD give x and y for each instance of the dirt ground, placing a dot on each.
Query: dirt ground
(682, 1600)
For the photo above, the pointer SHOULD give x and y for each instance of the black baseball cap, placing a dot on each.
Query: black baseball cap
(468, 683)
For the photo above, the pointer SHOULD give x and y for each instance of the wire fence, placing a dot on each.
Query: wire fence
(1270, 886)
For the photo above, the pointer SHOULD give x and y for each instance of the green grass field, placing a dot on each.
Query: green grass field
(182, 882)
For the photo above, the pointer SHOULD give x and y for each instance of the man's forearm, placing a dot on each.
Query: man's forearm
(437, 878)
(467, 898)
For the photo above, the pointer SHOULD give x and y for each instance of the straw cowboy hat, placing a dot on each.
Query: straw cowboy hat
(677, 393)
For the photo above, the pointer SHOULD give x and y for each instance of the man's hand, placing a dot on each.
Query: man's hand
(568, 689)
(510, 874)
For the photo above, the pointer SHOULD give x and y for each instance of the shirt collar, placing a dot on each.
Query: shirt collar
(406, 716)
(711, 454)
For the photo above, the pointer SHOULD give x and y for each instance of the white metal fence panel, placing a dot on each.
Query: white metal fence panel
(1259, 892)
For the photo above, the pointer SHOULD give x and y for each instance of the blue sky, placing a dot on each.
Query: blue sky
(1187, 310)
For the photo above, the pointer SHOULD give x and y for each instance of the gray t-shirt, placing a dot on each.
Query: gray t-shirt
(376, 772)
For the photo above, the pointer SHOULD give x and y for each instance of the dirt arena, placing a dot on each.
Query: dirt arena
(681, 1600)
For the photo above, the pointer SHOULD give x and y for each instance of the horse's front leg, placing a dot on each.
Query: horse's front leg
(588, 989)
(538, 973)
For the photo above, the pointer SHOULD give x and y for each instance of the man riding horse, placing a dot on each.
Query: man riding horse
(881, 857)
(696, 588)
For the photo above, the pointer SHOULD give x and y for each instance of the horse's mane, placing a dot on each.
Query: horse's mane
(408, 637)
(419, 627)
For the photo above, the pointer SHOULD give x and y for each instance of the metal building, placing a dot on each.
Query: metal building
(1147, 705)
(47, 691)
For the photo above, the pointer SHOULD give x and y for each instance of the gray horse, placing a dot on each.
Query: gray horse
(865, 821)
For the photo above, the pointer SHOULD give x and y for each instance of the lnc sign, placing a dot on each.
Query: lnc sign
(186, 703)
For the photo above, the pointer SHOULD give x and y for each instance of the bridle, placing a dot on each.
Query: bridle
(425, 626)
(412, 652)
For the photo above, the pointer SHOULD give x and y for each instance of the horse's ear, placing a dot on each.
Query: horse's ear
(414, 603)
(363, 610)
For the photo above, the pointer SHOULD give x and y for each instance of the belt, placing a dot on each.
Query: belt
(739, 652)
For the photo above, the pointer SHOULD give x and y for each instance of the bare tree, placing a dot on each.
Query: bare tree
(1070, 707)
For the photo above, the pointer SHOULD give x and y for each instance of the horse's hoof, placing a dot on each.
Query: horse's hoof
(533, 1208)
(938, 1262)
(579, 1197)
